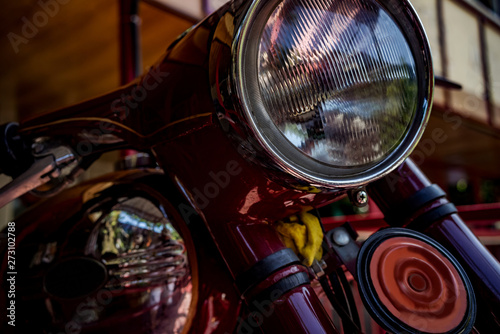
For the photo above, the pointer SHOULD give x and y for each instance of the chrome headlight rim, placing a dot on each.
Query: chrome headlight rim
(285, 156)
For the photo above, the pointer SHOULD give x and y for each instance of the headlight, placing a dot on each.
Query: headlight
(337, 92)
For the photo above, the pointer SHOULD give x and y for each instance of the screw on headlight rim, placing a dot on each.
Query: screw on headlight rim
(359, 197)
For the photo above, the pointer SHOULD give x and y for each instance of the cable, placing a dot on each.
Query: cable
(347, 323)
(350, 297)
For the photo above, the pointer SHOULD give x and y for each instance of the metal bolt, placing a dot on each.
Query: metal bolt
(317, 268)
(341, 237)
(361, 197)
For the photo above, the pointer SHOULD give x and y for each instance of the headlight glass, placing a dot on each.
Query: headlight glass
(338, 79)
(337, 92)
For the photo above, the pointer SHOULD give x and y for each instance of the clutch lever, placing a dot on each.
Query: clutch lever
(48, 165)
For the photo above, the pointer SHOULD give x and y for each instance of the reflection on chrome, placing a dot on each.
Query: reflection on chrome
(147, 263)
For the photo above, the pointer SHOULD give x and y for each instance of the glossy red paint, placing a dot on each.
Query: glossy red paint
(483, 269)
(297, 312)
(239, 216)
(176, 118)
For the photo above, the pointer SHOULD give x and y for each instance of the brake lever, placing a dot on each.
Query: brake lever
(48, 166)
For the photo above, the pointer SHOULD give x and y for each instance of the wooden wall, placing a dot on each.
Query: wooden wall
(74, 56)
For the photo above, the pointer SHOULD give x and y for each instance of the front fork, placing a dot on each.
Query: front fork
(273, 283)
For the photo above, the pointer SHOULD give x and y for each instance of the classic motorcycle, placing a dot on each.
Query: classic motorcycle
(258, 115)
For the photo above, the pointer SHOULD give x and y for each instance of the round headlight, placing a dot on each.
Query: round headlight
(337, 92)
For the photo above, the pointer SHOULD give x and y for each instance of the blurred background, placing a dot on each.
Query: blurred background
(72, 54)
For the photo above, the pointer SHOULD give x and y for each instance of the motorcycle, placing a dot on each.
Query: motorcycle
(256, 116)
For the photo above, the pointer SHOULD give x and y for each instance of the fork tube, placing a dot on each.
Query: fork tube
(271, 280)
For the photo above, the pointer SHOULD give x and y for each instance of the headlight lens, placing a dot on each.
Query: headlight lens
(336, 91)
(338, 81)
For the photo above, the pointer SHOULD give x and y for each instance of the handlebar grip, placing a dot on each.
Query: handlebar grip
(15, 152)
